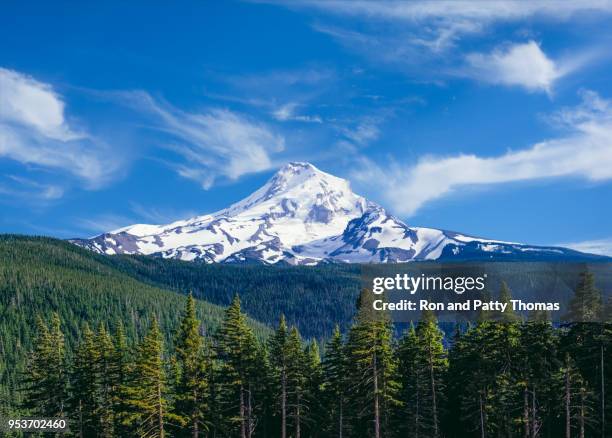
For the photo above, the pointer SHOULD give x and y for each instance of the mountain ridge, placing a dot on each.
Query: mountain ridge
(304, 216)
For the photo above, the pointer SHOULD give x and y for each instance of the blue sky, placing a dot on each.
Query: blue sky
(493, 119)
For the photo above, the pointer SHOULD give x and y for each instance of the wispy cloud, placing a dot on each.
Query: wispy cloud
(597, 246)
(448, 20)
(212, 143)
(585, 152)
(27, 189)
(424, 36)
(364, 131)
(287, 112)
(34, 131)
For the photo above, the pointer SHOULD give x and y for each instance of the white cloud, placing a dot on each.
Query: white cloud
(585, 152)
(34, 131)
(27, 189)
(213, 143)
(365, 132)
(422, 37)
(34, 104)
(524, 65)
(490, 10)
(287, 112)
(599, 246)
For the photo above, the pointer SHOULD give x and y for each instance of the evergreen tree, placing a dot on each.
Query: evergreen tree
(372, 369)
(85, 403)
(147, 391)
(238, 350)
(120, 372)
(585, 340)
(586, 304)
(431, 367)
(46, 379)
(279, 355)
(105, 379)
(191, 386)
(296, 381)
(313, 398)
(411, 418)
(335, 389)
(539, 376)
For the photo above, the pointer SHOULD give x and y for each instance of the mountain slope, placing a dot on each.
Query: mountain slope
(39, 276)
(304, 216)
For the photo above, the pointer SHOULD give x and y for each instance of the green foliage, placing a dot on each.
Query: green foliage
(40, 276)
(191, 385)
(313, 298)
(373, 370)
(46, 383)
(206, 371)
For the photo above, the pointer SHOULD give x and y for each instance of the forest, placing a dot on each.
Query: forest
(100, 341)
(501, 377)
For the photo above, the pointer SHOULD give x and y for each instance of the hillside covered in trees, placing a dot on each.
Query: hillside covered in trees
(502, 377)
(108, 343)
(40, 276)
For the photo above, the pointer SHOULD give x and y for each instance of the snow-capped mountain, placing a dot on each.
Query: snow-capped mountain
(305, 216)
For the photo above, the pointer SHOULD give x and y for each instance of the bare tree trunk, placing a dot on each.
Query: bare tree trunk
(242, 422)
(376, 401)
(482, 430)
(582, 412)
(534, 430)
(340, 425)
(417, 414)
(298, 416)
(526, 412)
(568, 399)
(160, 413)
(249, 414)
(433, 397)
(81, 418)
(603, 393)
(283, 404)
(196, 427)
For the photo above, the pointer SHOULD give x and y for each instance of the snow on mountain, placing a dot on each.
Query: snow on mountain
(304, 216)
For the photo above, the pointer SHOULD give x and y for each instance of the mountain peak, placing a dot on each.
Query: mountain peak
(298, 187)
(297, 165)
(303, 215)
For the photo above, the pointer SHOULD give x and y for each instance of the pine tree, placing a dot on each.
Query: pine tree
(335, 388)
(85, 402)
(411, 418)
(147, 391)
(586, 304)
(313, 398)
(509, 315)
(238, 350)
(585, 340)
(106, 387)
(372, 371)
(46, 378)
(191, 386)
(577, 400)
(279, 354)
(296, 380)
(120, 372)
(539, 377)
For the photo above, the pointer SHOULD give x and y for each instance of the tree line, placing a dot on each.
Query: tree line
(499, 377)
